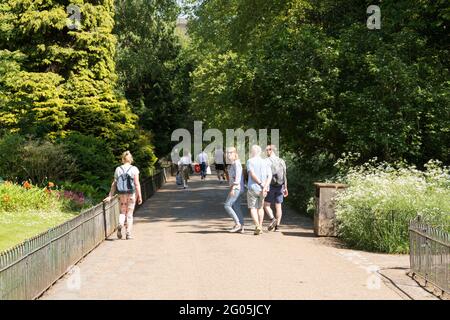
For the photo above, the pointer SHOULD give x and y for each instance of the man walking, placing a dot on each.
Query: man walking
(203, 160)
(259, 177)
(278, 187)
(220, 164)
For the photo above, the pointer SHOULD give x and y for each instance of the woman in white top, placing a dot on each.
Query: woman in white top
(236, 180)
(129, 193)
(184, 167)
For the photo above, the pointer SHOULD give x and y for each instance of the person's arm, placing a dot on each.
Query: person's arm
(268, 179)
(285, 191)
(237, 178)
(254, 177)
(112, 191)
(138, 189)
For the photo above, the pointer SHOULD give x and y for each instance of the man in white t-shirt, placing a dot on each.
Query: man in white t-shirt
(203, 160)
(184, 167)
(259, 177)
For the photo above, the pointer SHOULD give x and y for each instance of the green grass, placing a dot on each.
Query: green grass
(27, 212)
(17, 227)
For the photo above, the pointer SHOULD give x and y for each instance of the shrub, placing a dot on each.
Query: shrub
(34, 160)
(11, 146)
(90, 193)
(95, 163)
(302, 172)
(374, 211)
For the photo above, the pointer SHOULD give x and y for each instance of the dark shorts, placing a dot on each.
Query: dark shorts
(275, 195)
(220, 166)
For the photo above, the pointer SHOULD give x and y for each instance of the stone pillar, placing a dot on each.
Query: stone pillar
(324, 216)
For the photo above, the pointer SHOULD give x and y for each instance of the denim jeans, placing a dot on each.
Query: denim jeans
(203, 169)
(233, 207)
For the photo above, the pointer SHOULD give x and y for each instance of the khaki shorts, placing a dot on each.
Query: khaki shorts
(254, 200)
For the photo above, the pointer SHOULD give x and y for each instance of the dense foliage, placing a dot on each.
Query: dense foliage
(315, 71)
(59, 85)
(375, 210)
(153, 68)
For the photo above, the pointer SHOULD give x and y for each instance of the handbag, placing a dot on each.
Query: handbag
(208, 170)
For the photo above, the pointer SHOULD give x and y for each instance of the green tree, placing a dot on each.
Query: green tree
(55, 80)
(154, 74)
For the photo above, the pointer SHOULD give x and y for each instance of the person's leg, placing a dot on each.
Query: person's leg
(203, 170)
(279, 198)
(278, 212)
(229, 208)
(270, 199)
(268, 210)
(131, 205)
(255, 216)
(185, 176)
(237, 208)
(268, 202)
(261, 216)
(254, 206)
(218, 171)
(123, 213)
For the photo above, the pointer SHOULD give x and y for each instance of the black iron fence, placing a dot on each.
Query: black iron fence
(430, 255)
(30, 268)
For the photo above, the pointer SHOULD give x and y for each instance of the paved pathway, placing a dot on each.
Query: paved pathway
(182, 250)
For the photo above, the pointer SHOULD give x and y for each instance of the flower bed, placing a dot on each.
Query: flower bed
(27, 210)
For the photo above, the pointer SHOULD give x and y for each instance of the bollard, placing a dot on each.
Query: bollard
(325, 216)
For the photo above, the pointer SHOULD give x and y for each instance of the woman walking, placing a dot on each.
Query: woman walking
(236, 182)
(184, 166)
(126, 183)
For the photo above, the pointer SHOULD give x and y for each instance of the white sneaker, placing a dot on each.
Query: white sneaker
(236, 228)
(129, 237)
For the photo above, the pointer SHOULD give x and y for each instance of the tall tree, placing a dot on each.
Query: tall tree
(56, 79)
(150, 66)
(313, 69)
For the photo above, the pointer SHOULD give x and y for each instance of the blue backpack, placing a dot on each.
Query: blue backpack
(125, 183)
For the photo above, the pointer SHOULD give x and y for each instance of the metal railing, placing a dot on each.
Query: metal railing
(430, 254)
(30, 268)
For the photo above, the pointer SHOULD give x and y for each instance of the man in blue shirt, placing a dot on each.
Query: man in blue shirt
(259, 177)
